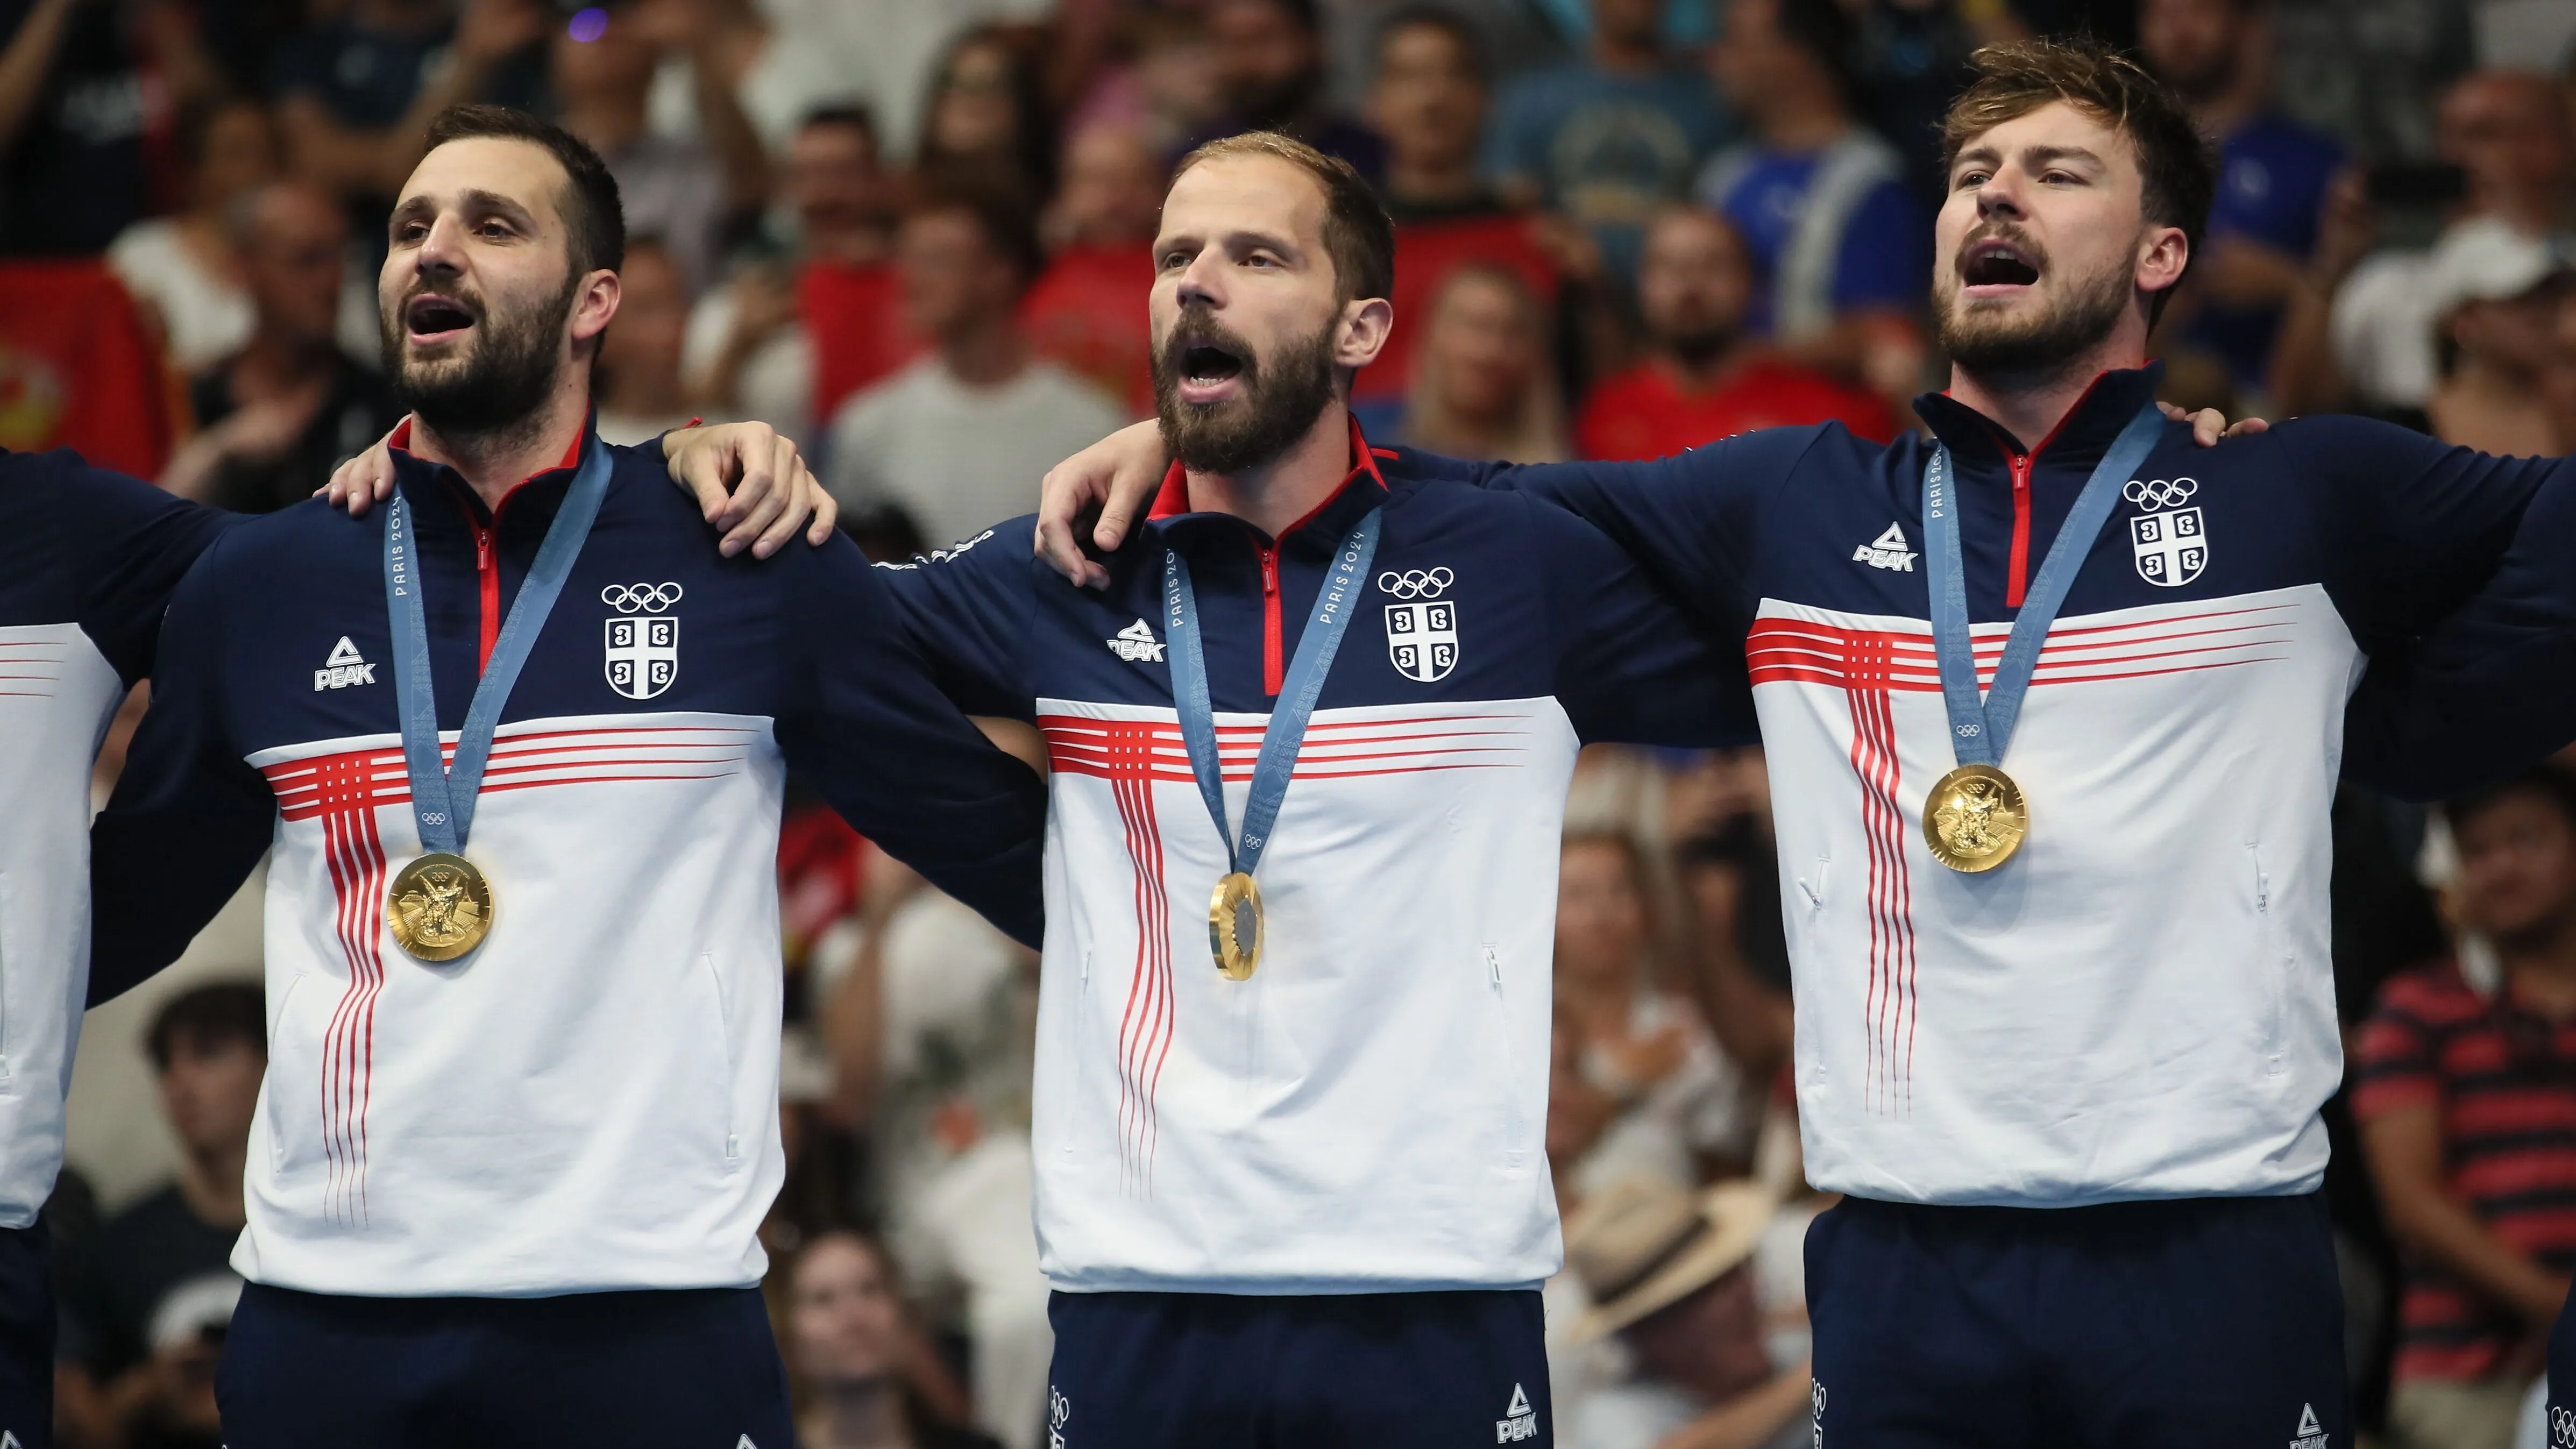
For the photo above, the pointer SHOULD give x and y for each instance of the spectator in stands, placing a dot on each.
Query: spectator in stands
(1912, 62)
(1704, 378)
(1842, 255)
(1730, 883)
(356, 92)
(637, 386)
(145, 1317)
(1085, 310)
(2465, 1086)
(2494, 294)
(988, 114)
(276, 417)
(861, 1363)
(1684, 1107)
(2360, 333)
(2272, 176)
(687, 192)
(87, 92)
(960, 438)
(1609, 139)
(1428, 98)
(1270, 66)
(1482, 386)
(182, 267)
(1706, 1293)
(783, 338)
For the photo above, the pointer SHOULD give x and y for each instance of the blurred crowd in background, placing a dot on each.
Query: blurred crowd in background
(912, 235)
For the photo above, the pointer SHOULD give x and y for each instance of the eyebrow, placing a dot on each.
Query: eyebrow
(474, 200)
(2062, 153)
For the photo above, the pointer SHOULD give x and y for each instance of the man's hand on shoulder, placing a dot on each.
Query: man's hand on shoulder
(2209, 424)
(750, 482)
(1117, 477)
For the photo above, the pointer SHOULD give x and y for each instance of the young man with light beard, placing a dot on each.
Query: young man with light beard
(2064, 1007)
(1309, 749)
(520, 1125)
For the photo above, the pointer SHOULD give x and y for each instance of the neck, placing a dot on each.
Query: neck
(2030, 405)
(1629, 56)
(2483, 379)
(856, 246)
(2542, 967)
(1288, 487)
(985, 353)
(1592, 996)
(607, 123)
(211, 1184)
(1430, 180)
(642, 392)
(867, 1414)
(276, 360)
(1800, 122)
(1708, 371)
(494, 462)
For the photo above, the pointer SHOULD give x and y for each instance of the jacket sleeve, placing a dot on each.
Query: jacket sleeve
(1631, 666)
(121, 544)
(1690, 521)
(965, 611)
(2457, 571)
(865, 719)
(190, 818)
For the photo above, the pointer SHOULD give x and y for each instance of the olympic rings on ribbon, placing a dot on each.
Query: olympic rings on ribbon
(2157, 493)
(651, 598)
(1416, 583)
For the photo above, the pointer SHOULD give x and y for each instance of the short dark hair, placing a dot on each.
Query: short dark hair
(209, 1016)
(2552, 784)
(1358, 235)
(1417, 16)
(594, 221)
(1001, 212)
(852, 114)
(1824, 30)
(2177, 169)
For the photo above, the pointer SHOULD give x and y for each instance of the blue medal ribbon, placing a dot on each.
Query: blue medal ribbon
(442, 797)
(1979, 729)
(1271, 769)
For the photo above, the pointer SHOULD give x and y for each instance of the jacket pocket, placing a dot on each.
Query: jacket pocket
(282, 1050)
(2274, 960)
(732, 1066)
(1499, 1049)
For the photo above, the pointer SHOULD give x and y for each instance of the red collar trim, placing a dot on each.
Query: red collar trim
(399, 440)
(1173, 498)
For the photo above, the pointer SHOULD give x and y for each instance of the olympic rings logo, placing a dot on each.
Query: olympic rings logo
(2562, 1427)
(1416, 583)
(2157, 493)
(1816, 1401)
(650, 598)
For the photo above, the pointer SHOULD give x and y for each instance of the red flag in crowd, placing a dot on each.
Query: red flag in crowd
(78, 369)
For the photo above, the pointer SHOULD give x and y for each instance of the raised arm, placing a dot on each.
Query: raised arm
(190, 818)
(866, 720)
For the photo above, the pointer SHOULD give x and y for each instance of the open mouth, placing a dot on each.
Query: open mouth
(1995, 266)
(1209, 373)
(432, 319)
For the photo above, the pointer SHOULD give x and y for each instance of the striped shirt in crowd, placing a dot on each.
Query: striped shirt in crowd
(2503, 1080)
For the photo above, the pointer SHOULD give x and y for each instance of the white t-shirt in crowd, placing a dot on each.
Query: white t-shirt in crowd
(208, 316)
(960, 459)
(776, 385)
(1702, 1105)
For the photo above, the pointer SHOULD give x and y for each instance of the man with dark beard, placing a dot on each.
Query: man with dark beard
(1704, 379)
(2065, 1014)
(521, 1119)
(1293, 1033)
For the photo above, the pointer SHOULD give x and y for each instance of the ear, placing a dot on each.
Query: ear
(1365, 327)
(2163, 252)
(593, 306)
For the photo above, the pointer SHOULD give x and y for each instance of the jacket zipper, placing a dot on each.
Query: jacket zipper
(2019, 570)
(1273, 672)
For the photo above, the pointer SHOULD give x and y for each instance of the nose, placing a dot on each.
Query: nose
(442, 252)
(1203, 281)
(1999, 196)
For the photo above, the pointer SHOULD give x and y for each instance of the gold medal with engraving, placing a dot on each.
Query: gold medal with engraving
(440, 907)
(1234, 927)
(1974, 819)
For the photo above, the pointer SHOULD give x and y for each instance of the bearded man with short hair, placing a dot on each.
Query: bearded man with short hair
(2054, 708)
(515, 753)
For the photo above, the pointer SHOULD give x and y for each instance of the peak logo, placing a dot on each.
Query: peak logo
(342, 669)
(1887, 551)
(2311, 1434)
(1519, 1420)
(1136, 643)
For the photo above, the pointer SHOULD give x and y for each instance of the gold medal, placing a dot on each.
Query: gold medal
(1234, 927)
(440, 907)
(1974, 818)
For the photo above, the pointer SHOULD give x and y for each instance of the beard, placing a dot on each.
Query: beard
(1699, 345)
(505, 375)
(1273, 407)
(2040, 342)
